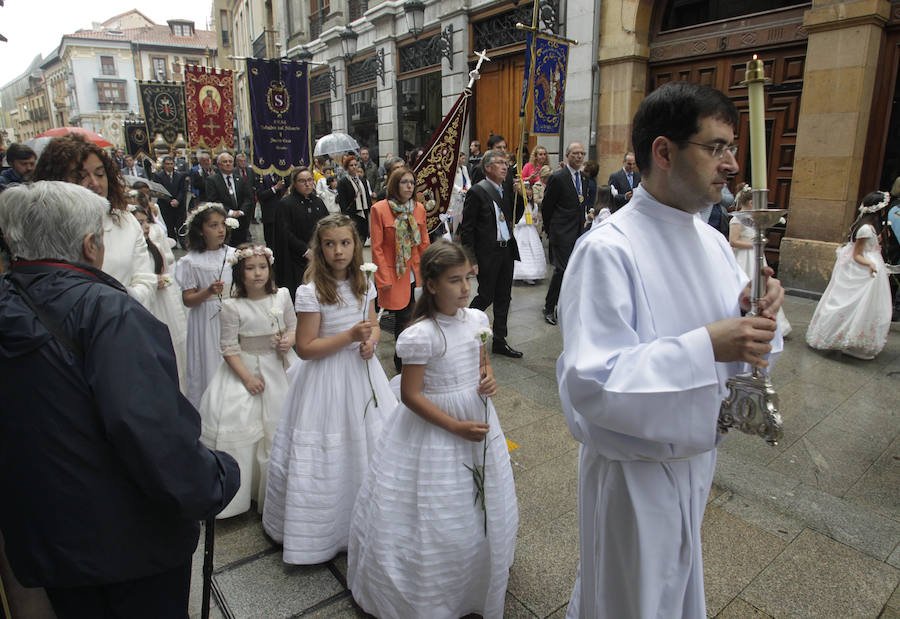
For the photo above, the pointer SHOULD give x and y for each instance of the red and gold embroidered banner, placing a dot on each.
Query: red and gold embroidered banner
(436, 167)
(209, 98)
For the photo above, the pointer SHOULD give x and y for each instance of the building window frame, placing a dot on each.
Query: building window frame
(160, 63)
(108, 65)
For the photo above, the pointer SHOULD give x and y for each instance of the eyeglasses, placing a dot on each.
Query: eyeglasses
(407, 181)
(718, 150)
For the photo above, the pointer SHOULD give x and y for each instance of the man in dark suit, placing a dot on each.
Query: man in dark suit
(199, 174)
(624, 181)
(246, 174)
(173, 209)
(269, 190)
(234, 194)
(132, 169)
(563, 213)
(487, 232)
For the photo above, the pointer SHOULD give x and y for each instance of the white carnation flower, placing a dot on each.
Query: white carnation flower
(232, 223)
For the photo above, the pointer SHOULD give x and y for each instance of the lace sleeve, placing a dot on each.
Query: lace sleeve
(306, 299)
(415, 343)
(229, 323)
(186, 274)
(865, 232)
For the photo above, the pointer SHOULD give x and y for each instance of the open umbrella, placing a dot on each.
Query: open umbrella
(90, 135)
(38, 144)
(335, 143)
(157, 190)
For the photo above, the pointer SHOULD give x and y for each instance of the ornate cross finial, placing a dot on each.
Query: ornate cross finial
(482, 57)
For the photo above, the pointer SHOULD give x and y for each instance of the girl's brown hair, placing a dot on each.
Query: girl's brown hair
(155, 254)
(437, 258)
(63, 158)
(237, 275)
(319, 273)
(195, 240)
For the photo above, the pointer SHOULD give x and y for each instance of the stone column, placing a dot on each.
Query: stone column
(838, 84)
(386, 98)
(339, 100)
(623, 55)
(580, 20)
(454, 80)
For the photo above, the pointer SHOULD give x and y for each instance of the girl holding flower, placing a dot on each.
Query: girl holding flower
(244, 400)
(434, 526)
(399, 236)
(203, 278)
(338, 400)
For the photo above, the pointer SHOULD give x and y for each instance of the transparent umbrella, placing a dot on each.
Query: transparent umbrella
(335, 143)
(157, 190)
(38, 144)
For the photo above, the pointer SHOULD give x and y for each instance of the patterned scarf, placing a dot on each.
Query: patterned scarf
(406, 231)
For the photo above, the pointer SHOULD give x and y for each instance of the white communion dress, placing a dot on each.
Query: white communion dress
(418, 546)
(197, 270)
(167, 306)
(325, 439)
(854, 313)
(745, 260)
(234, 421)
(533, 263)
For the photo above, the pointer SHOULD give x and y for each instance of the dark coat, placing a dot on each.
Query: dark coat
(295, 222)
(177, 187)
(198, 182)
(346, 200)
(268, 196)
(619, 180)
(563, 214)
(478, 231)
(216, 191)
(103, 475)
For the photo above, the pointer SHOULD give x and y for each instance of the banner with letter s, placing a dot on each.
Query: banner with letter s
(279, 114)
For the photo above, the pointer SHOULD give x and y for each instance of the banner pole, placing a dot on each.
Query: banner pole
(529, 96)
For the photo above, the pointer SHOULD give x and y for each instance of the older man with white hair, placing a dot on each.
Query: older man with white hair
(103, 474)
(235, 194)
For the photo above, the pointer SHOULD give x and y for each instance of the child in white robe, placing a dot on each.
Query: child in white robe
(434, 526)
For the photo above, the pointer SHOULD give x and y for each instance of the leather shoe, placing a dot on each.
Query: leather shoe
(502, 348)
(550, 318)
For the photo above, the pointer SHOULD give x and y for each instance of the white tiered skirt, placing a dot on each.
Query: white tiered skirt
(418, 546)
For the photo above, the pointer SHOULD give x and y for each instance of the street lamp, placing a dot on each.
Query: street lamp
(348, 42)
(415, 16)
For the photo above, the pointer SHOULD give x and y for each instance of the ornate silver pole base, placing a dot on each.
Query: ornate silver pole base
(751, 407)
(752, 404)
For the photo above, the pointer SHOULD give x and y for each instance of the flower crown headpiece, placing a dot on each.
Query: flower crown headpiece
(203, 206)
(876, 207)
(249, 252)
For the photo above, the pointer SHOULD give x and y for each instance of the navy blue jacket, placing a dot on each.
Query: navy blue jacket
(102, 473)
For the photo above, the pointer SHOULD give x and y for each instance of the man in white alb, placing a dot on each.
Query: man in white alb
(650, 312)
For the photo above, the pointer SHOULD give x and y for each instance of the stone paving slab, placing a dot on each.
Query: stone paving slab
(734, 552)
(282, 590)
(818, 577)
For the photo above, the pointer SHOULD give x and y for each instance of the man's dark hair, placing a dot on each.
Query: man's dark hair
(494, 140)
(19, 152)
(674, 110)
(168, 158)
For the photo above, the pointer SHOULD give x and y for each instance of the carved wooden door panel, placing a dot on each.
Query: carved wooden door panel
(497, 100)
(785, 68)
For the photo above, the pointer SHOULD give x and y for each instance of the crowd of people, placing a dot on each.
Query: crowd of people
(244, 373)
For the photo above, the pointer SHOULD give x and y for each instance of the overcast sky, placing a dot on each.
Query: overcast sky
(36, 26)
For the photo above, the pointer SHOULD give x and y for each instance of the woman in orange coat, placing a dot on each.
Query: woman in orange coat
(399, 236)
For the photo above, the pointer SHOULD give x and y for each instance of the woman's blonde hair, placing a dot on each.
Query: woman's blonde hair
(318, 271)
(534, 154)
